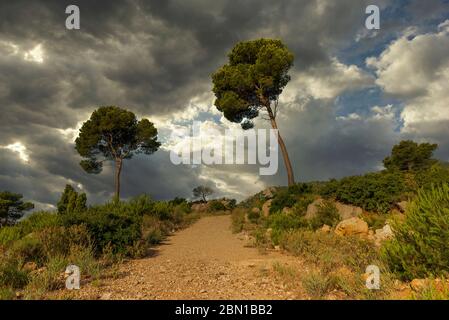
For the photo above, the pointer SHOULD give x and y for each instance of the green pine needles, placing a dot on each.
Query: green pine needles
(421, 245)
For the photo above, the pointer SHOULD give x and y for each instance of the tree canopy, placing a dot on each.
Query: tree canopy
(252, 81)
(12, 207)
(254, 77)
(410, 156)
(113, 133)
(71, 201)
(202, 192)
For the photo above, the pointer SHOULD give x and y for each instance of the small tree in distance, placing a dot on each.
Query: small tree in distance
(12, 207)
(410, 156)
(114, 134)
(202, 192)
(71, 201)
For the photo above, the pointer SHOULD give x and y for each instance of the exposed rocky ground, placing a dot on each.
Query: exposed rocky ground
(205, 261)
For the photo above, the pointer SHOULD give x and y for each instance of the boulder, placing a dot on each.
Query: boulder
(344, 210)
(352, 226)
(287, 210)
(347, 211)
(30, 266)
(312, 208)
(383, 234)
(268, 233)
(200, 207)
(325, 228)
(266, 208)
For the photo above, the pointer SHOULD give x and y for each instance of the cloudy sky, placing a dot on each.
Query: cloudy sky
(354, 93)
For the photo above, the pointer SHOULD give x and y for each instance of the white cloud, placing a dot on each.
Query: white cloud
(416, 69)
(20, 149)
(35, 55)
(327, 81)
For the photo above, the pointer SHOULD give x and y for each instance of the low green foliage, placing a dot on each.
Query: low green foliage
(376, 192)
(420, 247)
(216, 205)
(330, 251)
(11, 274)
(327, 214)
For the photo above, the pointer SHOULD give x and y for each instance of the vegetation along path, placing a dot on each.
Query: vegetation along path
(205, 261)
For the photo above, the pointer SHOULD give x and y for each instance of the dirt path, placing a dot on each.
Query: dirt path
(204, 261)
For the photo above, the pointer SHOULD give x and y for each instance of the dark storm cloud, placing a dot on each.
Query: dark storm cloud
(153, 57)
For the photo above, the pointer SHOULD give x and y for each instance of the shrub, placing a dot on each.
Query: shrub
(28, 249)
(153, 231)
(216, 205)
(253, 217)
(7, 293)
(280, 222)
(329, 251)
(300, 207)
(281, 200)
(420, 247)
(47, 280)
(11, 274)
(317, 284)
(327, 213)
(162, 210)
(177, 201)
(373, 191)
(34, 222)
(106, 227)
(9, 234)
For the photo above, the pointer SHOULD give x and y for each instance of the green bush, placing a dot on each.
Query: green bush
(9, 234)
(216, 205)
(420, 247)
(11, 274)
(280, 222)
(283, 198)
(28, 249)
(375, 192)
(108, 228)
(253, 217)
(327, 213)
(330, 251)
(34, 222)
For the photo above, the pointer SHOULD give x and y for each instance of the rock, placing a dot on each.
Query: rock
(419, 284)
(255, 210)
(200, 207)
(312, 208)
(268, 233)
(325, 228)
(402, 206)
(30, 266)
(268, 193)
(287, 210)
(383, 234)
(344, 210)
(266, 208)
(347, 211)
(352, 226)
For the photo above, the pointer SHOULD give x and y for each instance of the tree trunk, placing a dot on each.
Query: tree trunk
(288, 165)
(118, 170)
